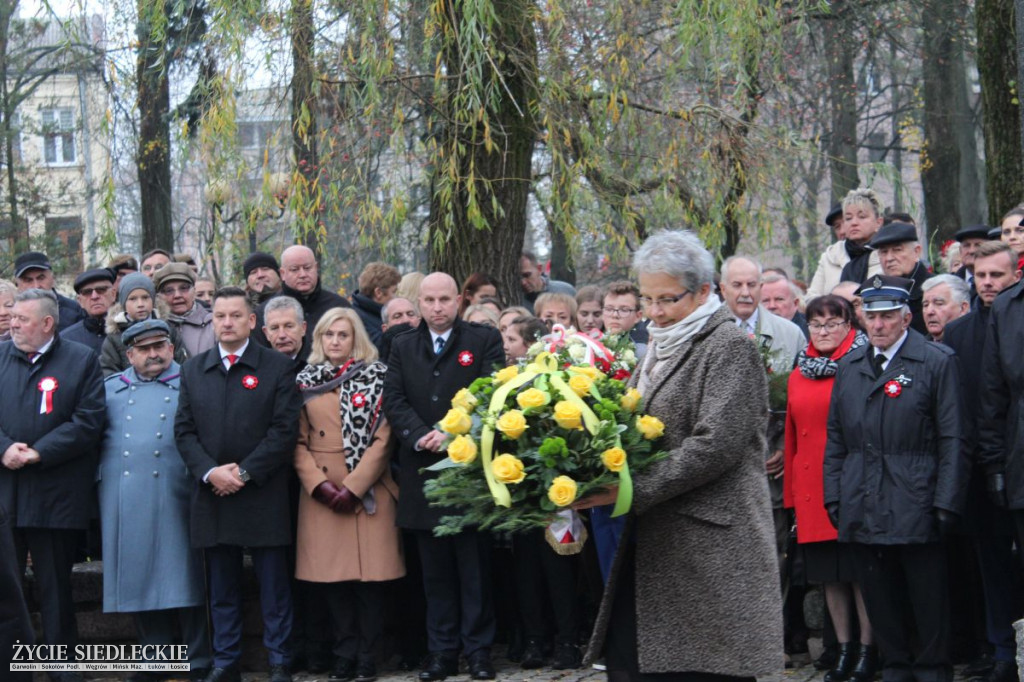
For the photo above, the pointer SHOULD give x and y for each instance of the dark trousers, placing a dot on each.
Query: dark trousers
(620, 649)
(224, 568)
(53, 556)
(310, 644)
(15, 624)
(456, 579)
(606, 532)
(545, 581)
(1000, 582)
(357, 614)
(159, 627)
(892, 577)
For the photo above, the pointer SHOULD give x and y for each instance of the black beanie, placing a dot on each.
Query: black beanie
(260, 259)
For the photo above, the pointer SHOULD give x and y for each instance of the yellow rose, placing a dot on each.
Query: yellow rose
(533, 397)
(512, 424)
(567, 415)
(456, 422)
(587, 370)
(614, 458)
(507, 374)
(650, 427)
(580, 384)
(508, 469)
(462, 450)
(464, 400)
(562, 491)
(630, 399)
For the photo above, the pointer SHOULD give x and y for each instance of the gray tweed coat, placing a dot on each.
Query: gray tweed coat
(708, 593)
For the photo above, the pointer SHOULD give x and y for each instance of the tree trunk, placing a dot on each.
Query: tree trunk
(562, 266)
(18, 238)
(1019, 49)
(304, 127)
(940, 175)
(153, 160)
(842, 143)
(478, 206)
(1001, 115)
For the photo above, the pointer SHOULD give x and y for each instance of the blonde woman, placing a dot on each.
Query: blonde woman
(347, 539)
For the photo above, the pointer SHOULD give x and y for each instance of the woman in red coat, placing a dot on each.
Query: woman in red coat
(810, 391)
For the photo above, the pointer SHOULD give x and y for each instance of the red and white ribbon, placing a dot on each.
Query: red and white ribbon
(47, 386)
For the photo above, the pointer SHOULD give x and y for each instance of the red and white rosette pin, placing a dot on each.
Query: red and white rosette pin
(47, 385)
(250, 382)
(893, 389)
(358, 400)
(465, 358)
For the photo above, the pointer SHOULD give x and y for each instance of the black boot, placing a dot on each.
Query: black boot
(867, 664)
(845, 663)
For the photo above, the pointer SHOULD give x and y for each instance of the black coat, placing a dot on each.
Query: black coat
(369, 313)
(890, 461)
(220, 421)
(90, 332)
(966, 336)
(69, 312)
(920, 275)
(418, 392)
(1000, 432)
(58, 491)
(314, 304)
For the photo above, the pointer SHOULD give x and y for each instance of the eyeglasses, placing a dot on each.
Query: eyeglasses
(618, 312)
(94, 290)
(830, 326)
(174, 291)
(647, 301)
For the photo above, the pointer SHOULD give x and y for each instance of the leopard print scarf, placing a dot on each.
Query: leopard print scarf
(361, 389)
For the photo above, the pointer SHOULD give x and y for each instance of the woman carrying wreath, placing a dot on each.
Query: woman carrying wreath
(694, 588)
(347, 538)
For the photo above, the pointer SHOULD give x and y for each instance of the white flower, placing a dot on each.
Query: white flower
(577, 351)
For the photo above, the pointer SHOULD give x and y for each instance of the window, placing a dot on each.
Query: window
(58, 136)
(264, 137)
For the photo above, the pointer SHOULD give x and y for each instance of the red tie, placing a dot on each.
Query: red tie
(232, 359)
(32, 356)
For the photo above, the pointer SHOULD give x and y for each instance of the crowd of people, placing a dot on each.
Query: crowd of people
(858, 432)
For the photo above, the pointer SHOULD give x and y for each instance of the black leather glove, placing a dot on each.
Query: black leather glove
(833, 514)
(946, 519)
(995, 484)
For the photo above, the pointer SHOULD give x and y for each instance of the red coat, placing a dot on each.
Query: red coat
(806, 420)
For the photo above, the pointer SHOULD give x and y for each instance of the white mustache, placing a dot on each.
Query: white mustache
(744, 299)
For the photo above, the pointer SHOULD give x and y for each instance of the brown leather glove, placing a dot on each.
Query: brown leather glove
(326, 492)
(345, 502)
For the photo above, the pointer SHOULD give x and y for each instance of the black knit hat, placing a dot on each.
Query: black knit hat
(259, 259)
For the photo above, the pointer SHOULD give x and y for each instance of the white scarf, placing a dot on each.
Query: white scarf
(667, 340)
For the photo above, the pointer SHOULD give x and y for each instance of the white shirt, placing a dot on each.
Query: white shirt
(224, 354)
(748, 325)
(891, 351)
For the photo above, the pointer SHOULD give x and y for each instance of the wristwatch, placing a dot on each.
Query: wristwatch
(244, 475)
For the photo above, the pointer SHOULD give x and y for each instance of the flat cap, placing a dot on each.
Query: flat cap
(883, 292)
(836, 212)
(32, 259)
(972, 232)
(94, 275)
(173, 272)
(151, 330)
(894, 233)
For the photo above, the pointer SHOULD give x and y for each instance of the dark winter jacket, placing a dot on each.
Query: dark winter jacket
(895, 448)
(369, 313)
(113, 355)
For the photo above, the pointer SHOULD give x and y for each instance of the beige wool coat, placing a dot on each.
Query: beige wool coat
(333, 547)
(708, 594)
